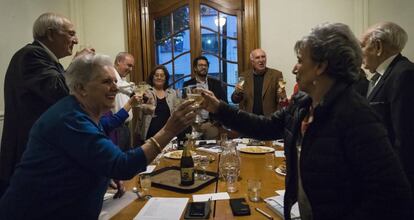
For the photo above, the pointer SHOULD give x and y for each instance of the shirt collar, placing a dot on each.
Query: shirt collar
(49, 52)
(202, 84)
(384, 65)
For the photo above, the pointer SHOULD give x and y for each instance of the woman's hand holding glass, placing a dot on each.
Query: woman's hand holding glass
(194, 93)
(210, 102)
(181, 118)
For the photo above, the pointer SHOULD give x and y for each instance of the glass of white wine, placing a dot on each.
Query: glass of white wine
(241, 81)
(145, 183)
(204, 162)
(140, 88)
(193, 93)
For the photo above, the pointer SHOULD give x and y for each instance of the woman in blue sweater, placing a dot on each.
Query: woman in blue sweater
(65, 169)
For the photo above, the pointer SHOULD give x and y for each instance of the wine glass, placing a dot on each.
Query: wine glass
(241, 81)
(193, 93)
(196, 159)
(281, 85)
(140, 88)
(204, 162)
(145, 182)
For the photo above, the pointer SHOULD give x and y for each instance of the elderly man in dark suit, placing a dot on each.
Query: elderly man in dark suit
(390, 89)
(34, 81)
(261, 93)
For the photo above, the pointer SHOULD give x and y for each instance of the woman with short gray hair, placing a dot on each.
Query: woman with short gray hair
(69, 159)
(339, 160)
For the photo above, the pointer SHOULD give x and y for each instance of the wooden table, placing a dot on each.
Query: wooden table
(252, 166)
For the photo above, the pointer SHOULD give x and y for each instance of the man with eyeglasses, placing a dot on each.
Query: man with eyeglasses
(201, 79)
(33, 82)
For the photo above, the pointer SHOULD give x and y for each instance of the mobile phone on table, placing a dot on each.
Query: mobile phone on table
(197, 210)
(239, 207)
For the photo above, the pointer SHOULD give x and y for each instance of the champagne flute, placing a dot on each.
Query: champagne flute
(145, 182)
(193, 93)
(241, 81)
(204, 162)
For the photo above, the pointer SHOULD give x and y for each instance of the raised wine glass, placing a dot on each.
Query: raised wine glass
(193, 93)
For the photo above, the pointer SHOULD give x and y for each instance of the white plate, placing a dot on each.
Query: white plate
(279, 171)
(255, 149)
(176, 155)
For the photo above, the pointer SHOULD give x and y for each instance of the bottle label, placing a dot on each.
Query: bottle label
(187, 174)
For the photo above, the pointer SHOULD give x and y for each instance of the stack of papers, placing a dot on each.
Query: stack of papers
(162, 209)
(275, 203)
(112, 206)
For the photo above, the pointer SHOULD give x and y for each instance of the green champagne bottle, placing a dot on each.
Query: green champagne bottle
(187, 165)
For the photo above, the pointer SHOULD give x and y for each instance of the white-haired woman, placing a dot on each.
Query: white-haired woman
(65, 170)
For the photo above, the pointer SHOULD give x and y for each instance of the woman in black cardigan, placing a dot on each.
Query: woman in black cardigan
(340, 164)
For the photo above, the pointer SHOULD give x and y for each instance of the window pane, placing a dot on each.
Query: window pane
(232, 77)
(182, 67)
(230, 27)
(169, 68)
(181, 42)
(162, 27)
(208, 17)
(229, 49)
(181, 18)
(209, 41)
(214, 67)
(163, 52)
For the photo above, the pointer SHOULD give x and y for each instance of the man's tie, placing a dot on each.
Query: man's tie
(372, 82)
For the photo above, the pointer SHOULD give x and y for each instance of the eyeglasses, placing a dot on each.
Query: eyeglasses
(202, 65)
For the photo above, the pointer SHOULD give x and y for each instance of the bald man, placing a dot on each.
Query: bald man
(261, 93)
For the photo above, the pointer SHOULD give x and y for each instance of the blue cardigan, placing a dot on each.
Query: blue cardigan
(65, 169)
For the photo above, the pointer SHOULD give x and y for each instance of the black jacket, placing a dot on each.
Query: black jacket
(393, 99)
(33, 82)
(348, 168)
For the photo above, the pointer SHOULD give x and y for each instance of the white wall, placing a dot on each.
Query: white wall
(99, 23)
(102, 24)
(283, 22)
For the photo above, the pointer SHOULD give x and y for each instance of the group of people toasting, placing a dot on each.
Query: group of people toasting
(348, 155)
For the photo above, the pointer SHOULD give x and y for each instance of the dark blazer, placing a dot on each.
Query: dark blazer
(33, 82)
(393, 99)
(214, 85)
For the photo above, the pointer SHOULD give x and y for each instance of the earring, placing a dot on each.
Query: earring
(314, 82)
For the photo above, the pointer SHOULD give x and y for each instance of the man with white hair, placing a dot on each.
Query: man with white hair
(34, 81)
(390, 89)
(124, 63)
(261, 93)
